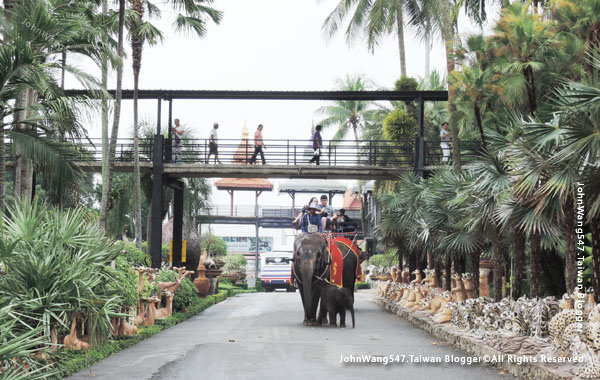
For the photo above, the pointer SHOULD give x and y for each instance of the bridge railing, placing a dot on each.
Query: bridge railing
(248, 211)
(296, 152)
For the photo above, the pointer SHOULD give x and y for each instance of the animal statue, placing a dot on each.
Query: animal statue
(418, 297)
(438, 302)
(405, 276)
(412, 295)
(445, 313)
(484, 288)
(151, 311)
(458, 291)
(418, 278)
(560, 321)
(166, 311)
(467, 280)
(71, 341)
(335, 300)
(311, 264)
(589, 368)
(394, 273)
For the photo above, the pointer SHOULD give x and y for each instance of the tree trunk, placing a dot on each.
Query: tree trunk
(595, 227)
(534, 273)
(448, 274)
(570, 255)
(363, 221)
(448, 37)
(104, 116)
(475, 258)
(136, 48)
(498, 264)
(400, 26)
(518, 262)
(106, 187)
(479, 124)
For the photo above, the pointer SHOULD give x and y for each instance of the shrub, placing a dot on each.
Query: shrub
(185, 295)
(133, 255)
(400, 126)
(362, 285)
(60, 265)
(235, 263)
(125, 282)
(218, 246)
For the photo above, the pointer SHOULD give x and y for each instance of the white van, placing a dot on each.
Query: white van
(276, 270)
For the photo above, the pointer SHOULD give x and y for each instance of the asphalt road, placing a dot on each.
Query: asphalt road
(261, 336)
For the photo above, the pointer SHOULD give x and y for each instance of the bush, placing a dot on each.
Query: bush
(235, 263)
(133, 255)
(218, 246)
(386, 259)
(185, 295)
(125, 282)
(60, 265)
(400, 126)
(362, 285)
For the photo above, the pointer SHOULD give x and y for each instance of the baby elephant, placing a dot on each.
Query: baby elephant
(335, 300)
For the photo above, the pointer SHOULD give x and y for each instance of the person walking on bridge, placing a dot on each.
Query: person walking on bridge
(212, 144)
(317, 142)
(445, 144)
(259, 145)
(177, 132)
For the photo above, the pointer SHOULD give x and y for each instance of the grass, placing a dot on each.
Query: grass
(70, 362)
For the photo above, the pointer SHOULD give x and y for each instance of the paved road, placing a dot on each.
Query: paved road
(260, 336)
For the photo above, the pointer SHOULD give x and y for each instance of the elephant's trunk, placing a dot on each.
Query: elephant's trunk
(307, 274)
(352, 313)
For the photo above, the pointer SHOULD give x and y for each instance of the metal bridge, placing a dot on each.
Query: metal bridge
(285, 158)
(340, 159)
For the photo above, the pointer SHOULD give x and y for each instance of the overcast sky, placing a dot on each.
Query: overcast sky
(260, 45)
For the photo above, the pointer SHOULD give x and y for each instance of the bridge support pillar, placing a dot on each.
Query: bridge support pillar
(178, 224)
(420, 141)
(157, 183)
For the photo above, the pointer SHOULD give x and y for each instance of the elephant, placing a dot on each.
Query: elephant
(311, 261)
(335, 300)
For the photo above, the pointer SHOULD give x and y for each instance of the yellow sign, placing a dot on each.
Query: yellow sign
(183, 251)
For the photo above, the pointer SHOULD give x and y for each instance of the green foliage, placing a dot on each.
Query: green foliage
(185, 295)
(60, 266)
(235, 263)
(400, 126)
(125, 282)
(217, 246)
(362, 285)
(133, 255)
(386, 259)
(406, 84)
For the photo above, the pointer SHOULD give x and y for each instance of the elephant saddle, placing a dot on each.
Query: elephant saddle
(339, 247)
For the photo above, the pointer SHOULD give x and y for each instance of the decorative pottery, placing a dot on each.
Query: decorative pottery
(202, 282)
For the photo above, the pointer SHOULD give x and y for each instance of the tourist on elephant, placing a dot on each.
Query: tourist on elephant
(311, 222)
(327, 212)
(304, 211)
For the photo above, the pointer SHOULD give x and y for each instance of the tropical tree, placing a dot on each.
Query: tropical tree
(194, 18)
(35, 112)
(372, 19)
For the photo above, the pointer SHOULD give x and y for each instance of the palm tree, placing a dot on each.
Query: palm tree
(372, 18)
(108, 168)
(28, 67)
(196, 13)
(346, 115)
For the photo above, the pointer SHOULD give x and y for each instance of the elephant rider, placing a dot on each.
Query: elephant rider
(327, 212)
(311, 222)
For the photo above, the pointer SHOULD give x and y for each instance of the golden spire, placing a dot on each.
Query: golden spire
(245, 130)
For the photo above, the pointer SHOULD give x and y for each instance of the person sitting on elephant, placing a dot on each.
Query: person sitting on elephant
(296, 222)
(311, 222)
(335, 300)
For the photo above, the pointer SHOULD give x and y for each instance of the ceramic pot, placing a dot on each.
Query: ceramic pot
(202, 282)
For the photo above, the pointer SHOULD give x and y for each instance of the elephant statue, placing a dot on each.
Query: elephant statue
(335, 300)
(311, 265)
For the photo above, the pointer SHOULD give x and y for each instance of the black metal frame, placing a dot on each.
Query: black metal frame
(170, 95)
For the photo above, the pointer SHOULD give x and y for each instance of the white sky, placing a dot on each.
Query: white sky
(259, 45)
